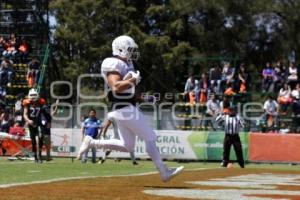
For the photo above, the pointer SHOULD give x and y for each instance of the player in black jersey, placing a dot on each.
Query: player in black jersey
(32, 108)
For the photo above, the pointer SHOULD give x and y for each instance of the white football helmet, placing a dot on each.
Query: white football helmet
(33, 94)
(125, 47)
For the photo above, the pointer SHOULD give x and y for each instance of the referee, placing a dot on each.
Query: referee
(232, 124)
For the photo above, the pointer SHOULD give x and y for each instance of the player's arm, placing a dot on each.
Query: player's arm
(82, 131)
(107, 123)
(241, 122)
(220, 119)
(26, 117)
(117, 84)
(55, 108)
(100, 128)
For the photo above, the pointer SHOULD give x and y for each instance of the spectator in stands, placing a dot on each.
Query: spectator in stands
(2, 45)
(227, 75)
(229, 90)
(19, 109)
(268, 78)
(33, 72)
(280, 76)
(202, 89)
(23, 50)
(225, 104)
(8, 61)
(10, 47)
(212, 111)
(17, 129)
(296, 92)
(292, 75)
(296, 100)
(13, 39)
(6, 72)
(215, 76)
(6, 120)
(243, 79)
(3, 104)
(284, 97)
(189, 89)
(271, 111)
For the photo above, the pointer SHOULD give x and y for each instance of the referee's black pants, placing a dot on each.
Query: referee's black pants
(232, 139)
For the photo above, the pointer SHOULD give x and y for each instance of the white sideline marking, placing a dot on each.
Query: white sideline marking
(223, 194)
(15, 163)
(250, 184)
(69, 178)
(34, 171)
(84, 177)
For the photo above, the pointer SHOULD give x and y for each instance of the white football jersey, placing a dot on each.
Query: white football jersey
(116, 65)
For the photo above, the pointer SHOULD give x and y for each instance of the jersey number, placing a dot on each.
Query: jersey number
(34, 112)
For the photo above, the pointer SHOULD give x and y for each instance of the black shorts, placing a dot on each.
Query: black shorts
(45, 130)
(34, 131)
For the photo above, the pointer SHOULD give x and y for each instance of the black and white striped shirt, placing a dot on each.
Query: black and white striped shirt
(232, 124)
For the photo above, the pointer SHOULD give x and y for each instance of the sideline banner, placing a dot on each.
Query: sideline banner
(274, 147)
(209, 145)
(14, 145)
(197, 145)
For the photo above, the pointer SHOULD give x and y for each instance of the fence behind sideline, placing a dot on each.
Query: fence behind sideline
(193, 145)
(183, 145)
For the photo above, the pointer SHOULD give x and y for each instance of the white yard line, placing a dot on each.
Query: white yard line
(67, 179)
(85, 177)
(16, 163)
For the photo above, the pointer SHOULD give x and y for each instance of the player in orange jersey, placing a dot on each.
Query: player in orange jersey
(32, 108)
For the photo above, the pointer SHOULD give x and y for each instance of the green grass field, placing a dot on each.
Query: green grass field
(14, 172)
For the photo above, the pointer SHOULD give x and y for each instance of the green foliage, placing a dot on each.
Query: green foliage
(170, 32)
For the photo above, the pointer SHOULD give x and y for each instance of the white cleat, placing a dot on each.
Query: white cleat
(169, 173)
(85, 146)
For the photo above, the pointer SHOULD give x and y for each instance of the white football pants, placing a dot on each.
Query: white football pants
(130, 123)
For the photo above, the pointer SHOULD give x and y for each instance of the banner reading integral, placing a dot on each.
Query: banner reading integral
(209, 145)
(194, 145)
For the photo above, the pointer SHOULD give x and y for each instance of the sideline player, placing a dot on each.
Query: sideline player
(91, 128)
(130, 121)
(45, 125)
(32, 108)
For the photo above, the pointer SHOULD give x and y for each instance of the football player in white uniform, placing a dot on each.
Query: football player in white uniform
(103, 132)
(129, 120)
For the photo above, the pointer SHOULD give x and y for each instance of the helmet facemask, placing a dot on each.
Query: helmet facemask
(125, 47)
(133, 53)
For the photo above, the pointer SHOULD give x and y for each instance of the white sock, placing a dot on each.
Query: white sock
(112, 144)
(154, 155)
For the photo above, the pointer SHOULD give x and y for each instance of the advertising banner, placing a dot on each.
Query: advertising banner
(274, 147)
(195, 145)
(209, 145)
(11, 144)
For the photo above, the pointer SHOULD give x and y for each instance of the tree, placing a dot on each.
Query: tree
(169, 32)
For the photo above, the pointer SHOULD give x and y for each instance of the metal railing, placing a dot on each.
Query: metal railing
(43, 69)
